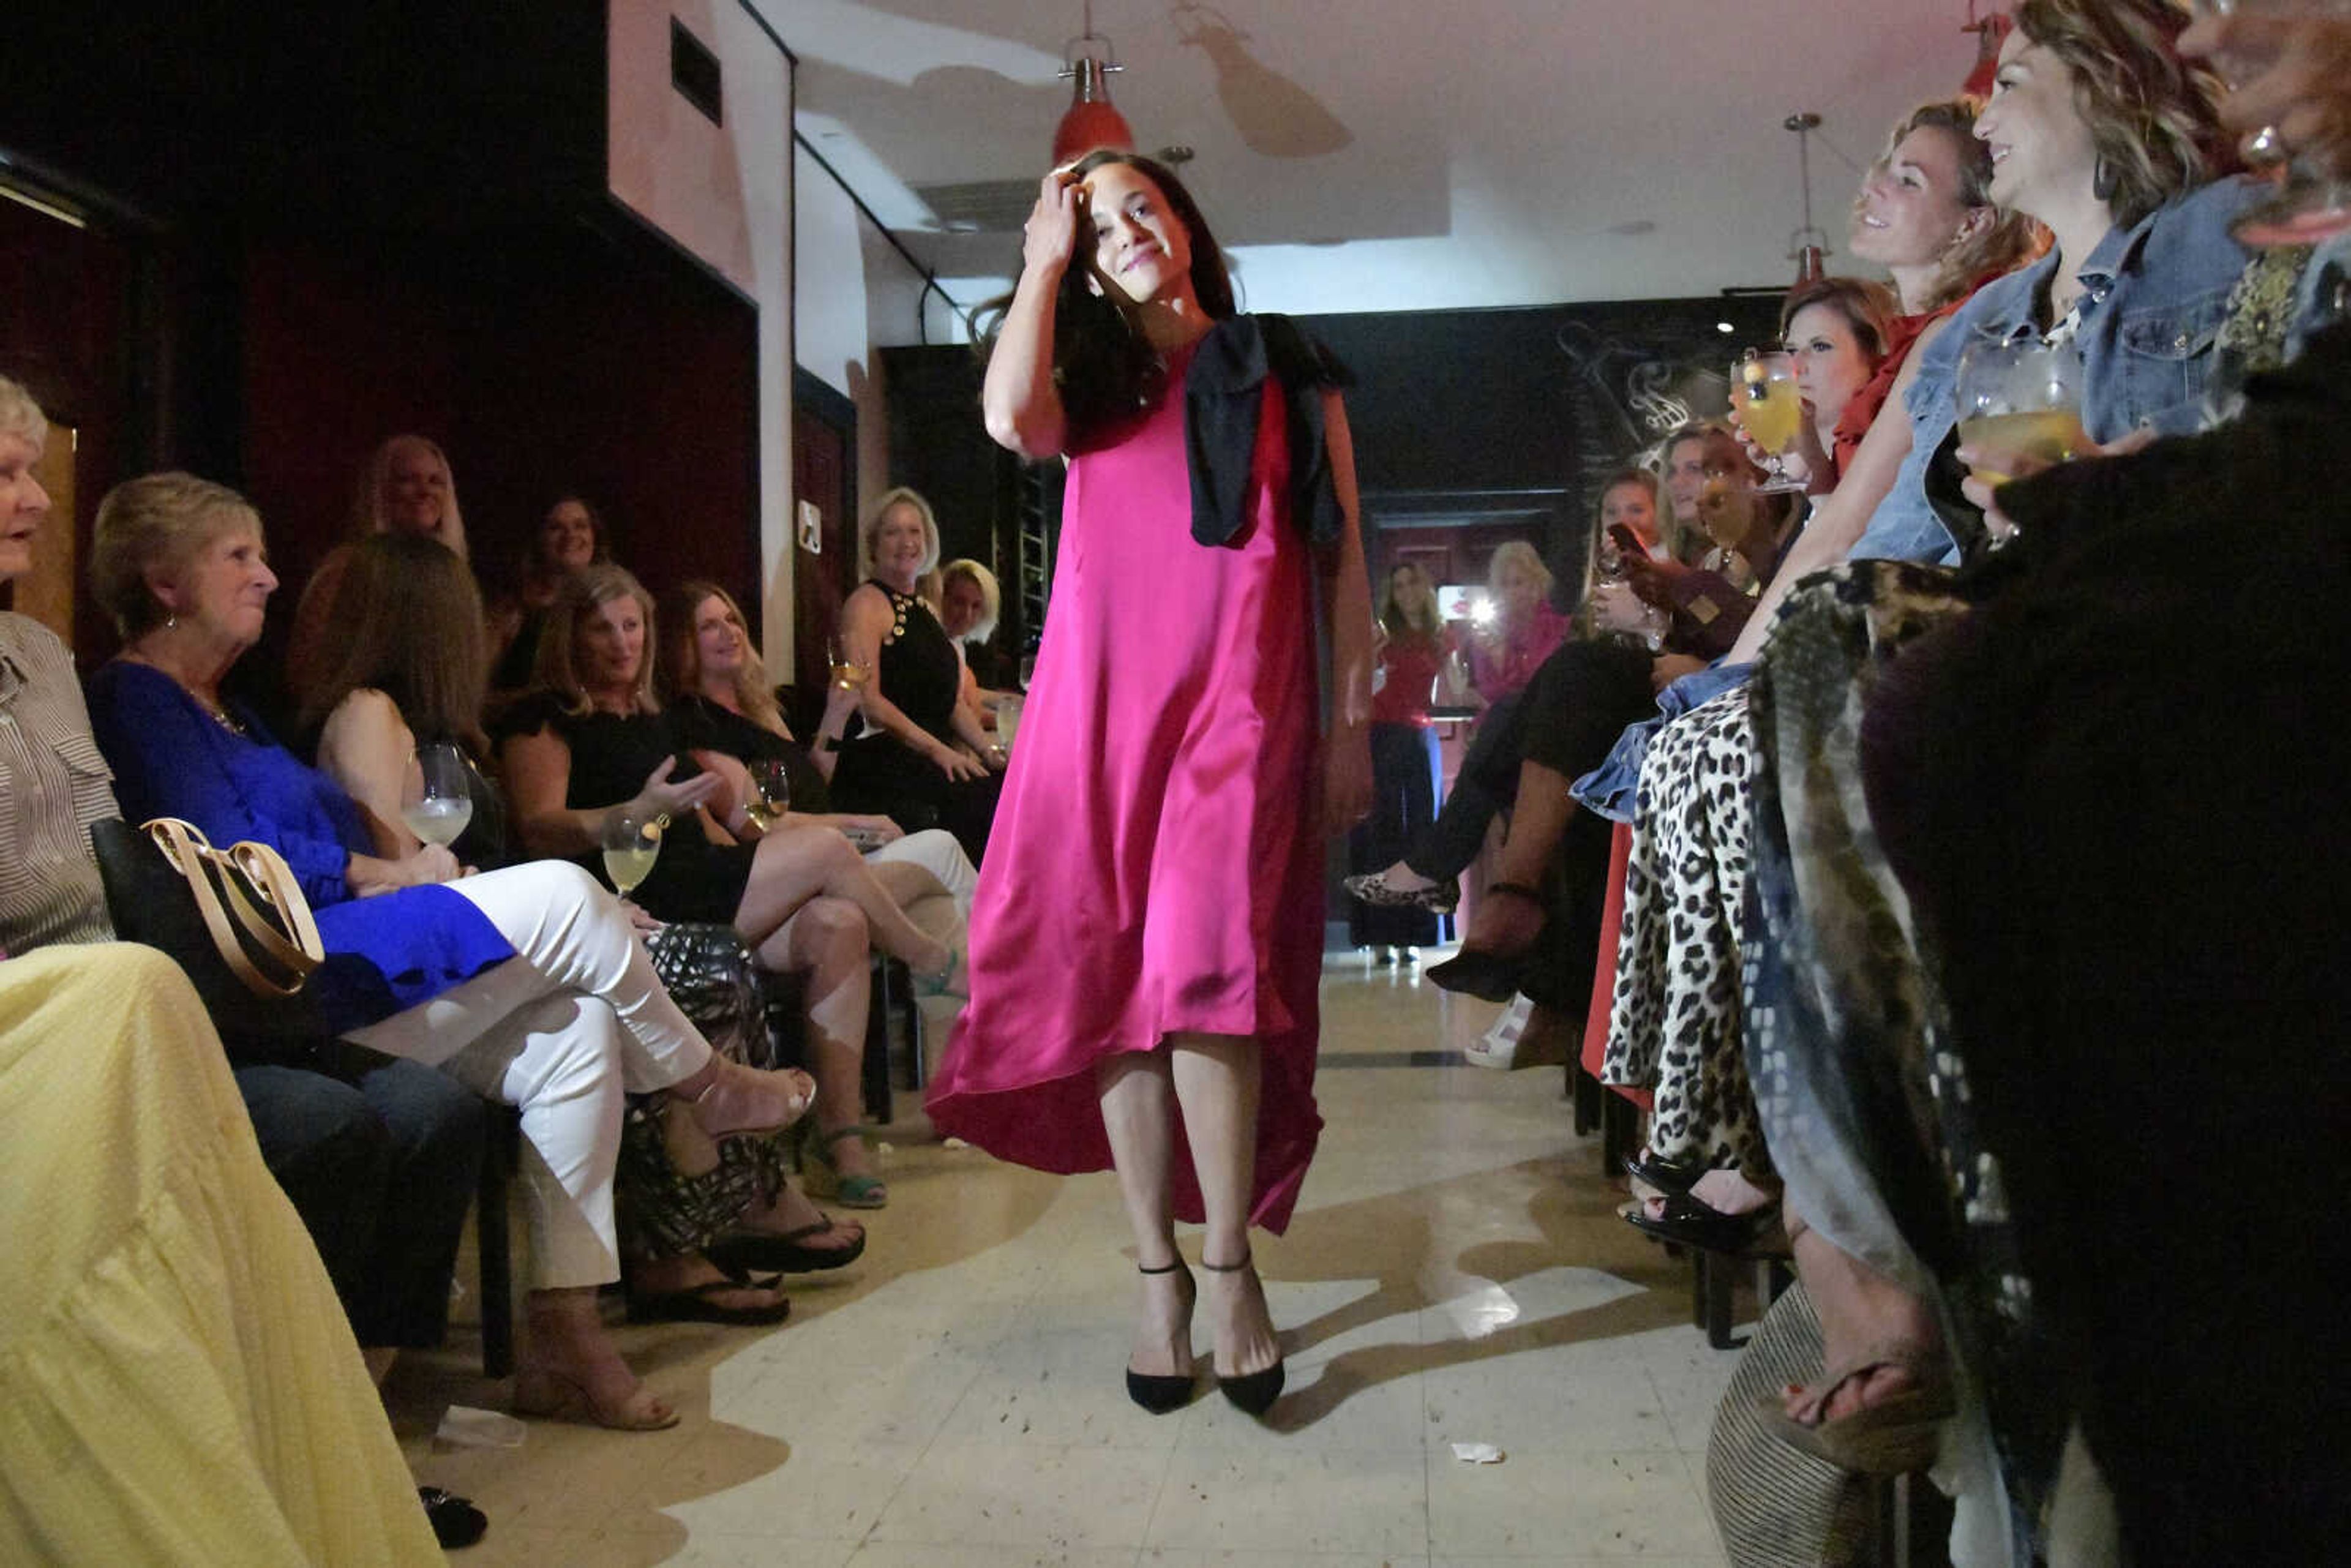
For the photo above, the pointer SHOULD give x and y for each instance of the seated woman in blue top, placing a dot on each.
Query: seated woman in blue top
(527, 985)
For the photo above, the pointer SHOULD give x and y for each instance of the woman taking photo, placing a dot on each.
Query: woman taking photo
(1146, 942)
(590, 738)
(923, 760)
(527, 985)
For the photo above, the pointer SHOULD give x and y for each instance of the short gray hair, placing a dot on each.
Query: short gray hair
(157, 525)
(20, 416)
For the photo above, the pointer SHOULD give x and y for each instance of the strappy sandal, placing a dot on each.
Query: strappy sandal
(823, 1178)
(1899, 1435)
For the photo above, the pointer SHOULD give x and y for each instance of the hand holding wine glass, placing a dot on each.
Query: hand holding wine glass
(848, 674)
(2019, 401)
(437, 801)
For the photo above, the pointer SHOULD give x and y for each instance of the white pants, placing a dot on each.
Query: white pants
(561, 1030)
(935, 851)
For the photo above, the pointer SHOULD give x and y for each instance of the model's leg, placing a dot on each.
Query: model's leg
(1138, 1108)
(1216, 1078)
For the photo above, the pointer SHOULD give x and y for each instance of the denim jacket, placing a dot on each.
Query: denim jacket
(2157, 294)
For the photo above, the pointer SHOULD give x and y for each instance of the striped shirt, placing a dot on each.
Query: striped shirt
(53, 784)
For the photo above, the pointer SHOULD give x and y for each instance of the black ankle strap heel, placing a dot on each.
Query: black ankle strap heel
(1162, 1393)
(1254, 1394)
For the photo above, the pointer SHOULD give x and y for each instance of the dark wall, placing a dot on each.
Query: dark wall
(1470, 426)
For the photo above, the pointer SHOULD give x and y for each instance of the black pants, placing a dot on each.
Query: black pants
(1403, 803)
(380, 1158)
(1485, 787)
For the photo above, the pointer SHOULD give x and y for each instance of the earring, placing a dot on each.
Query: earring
(2103, 181)
(170, 621)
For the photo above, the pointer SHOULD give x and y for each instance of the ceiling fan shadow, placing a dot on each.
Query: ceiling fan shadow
(1274, 116)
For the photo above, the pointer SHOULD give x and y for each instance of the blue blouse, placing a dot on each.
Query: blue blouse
(2155, 294)
(170, 759)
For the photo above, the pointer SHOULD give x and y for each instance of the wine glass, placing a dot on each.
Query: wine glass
(1771, 410)
(632, 840)
(1028, 669)
(847, 674)
(2026, 396)
(437, 801)
(771, 785)
(2311, 204)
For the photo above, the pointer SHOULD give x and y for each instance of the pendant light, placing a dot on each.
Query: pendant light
(1092, 121)
(1808, 248)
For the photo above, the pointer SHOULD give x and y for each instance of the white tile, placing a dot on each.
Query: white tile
(1010, 1494)
(1559, 1503)
(1295, 1501)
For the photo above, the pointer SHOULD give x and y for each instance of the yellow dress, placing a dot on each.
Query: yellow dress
(177, 1382)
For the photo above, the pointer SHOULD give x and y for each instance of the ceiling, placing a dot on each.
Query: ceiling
(1498, 152)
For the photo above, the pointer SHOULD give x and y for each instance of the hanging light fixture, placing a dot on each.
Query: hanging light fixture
(1808, 248)
(1092, 121)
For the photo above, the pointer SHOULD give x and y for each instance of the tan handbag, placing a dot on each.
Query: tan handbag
(259, 920)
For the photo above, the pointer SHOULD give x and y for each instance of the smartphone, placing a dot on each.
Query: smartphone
(1627, 540)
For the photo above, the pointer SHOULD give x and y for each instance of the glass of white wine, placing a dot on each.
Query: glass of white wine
(1771, 410)
(437, 801)
(771, 793)
(2024, 396)
(631, 841)
(847, 674)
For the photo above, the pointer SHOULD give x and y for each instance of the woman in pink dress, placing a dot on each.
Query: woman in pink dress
(1146, 939)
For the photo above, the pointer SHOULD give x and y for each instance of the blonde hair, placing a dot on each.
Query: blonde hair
(1520, 554)
(872, 528)
(557, 667)
(991, 596)
(21, 417)
(155, 527)
(367, 501)
(680, 666)
(1402, 622)
(2003, 245)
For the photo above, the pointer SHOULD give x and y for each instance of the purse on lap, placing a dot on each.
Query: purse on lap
(234, 919)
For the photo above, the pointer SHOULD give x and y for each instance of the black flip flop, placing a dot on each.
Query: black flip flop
(782, 1252)
(694, 1305)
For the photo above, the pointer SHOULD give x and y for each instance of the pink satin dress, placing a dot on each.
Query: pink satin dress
(1156, 861)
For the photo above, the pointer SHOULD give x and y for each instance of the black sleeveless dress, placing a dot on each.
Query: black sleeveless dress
(918, 671)
(693, 879)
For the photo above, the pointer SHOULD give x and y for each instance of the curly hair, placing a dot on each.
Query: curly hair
(2149, 113)
(2005, 244)
(1103, 366)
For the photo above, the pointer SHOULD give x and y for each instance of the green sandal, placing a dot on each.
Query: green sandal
(823, 1178)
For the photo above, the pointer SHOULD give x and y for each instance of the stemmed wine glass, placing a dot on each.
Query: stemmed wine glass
(437, 801)
(2311, 204)
(632, 841)
(1771, 410)
(771, 786)
(847, 674)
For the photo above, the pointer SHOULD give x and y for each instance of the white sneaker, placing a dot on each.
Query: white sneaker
(1499, 1044)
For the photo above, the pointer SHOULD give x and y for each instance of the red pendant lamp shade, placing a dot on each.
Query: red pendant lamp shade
(1092, 121)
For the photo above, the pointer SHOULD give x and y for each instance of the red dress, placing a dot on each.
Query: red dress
(1157, 863)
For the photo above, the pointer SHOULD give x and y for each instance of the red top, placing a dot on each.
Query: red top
(1409, 665)
(1501, 664)
(1861, 408)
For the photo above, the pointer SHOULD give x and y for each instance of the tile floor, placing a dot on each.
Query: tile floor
(1456, 1274)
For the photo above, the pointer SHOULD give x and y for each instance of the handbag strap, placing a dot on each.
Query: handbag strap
(218, 880)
